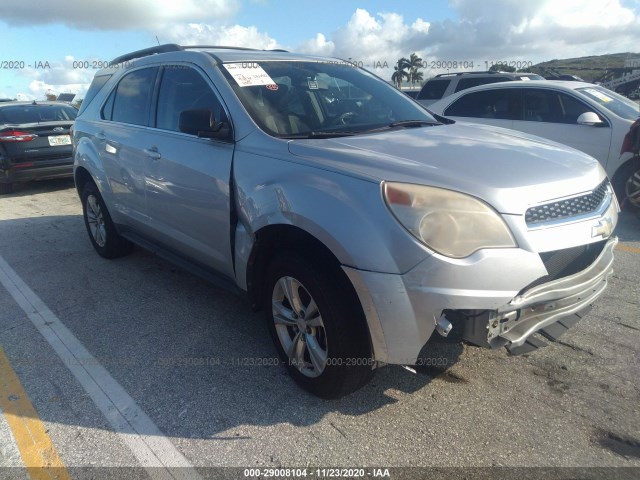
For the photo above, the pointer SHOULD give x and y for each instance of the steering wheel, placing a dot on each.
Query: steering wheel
(344, 119)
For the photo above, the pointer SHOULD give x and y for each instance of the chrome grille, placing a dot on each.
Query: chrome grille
(568, 208)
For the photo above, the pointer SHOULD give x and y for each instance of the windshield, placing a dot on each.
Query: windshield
(621, 106)
(307, 99)
(17, 114)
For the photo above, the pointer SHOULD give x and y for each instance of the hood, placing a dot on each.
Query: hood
(507, 169)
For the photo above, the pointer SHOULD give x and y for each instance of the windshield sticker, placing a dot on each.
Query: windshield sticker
(599, 95)
(313, 85)
(248, 74)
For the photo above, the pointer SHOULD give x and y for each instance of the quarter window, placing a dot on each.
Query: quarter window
(434, 89)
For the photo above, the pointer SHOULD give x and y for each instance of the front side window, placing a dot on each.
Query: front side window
(552, 107)
(132, 98)
(499, 104)
(319, 98)
(183, 88)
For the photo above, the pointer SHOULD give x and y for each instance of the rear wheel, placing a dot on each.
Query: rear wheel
(102, 233)
(626, 183)
(317, 327)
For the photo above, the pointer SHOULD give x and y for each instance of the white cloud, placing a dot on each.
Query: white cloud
(117, 14)
(488, 30)
(64, 76)
(318, 46)
(536, 31)
(234, 35)
(384, 37)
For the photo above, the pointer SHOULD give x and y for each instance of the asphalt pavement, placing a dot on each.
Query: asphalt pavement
(180, 373)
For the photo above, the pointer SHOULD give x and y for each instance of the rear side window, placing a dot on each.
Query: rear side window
(465, 83)
(500, 104)
(132, 97)
(17, 114)
(434, 89)
(183, 88)
(96, 85)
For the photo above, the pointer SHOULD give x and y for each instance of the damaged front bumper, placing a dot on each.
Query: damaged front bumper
(545, 304)
(403, 310)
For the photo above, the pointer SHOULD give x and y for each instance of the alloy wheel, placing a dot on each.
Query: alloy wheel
(95, 219)
(299, 326)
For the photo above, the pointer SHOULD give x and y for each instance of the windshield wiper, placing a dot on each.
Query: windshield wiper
(404, 124)
(319, 134)
(412, 123)
(331, 134)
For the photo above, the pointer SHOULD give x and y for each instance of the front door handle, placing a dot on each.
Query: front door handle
(152, 152)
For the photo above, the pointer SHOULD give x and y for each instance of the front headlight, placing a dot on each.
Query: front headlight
(451, 223)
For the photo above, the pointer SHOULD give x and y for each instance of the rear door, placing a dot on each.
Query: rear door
(187, 178)
(122, 140)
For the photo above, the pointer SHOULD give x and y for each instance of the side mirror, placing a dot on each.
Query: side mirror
(590, 118)
(203, 124)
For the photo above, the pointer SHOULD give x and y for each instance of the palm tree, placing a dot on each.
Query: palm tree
(400, 72)
(416, 77)
(415, 64)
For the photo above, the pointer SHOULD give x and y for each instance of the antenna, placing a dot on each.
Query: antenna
(157, 40)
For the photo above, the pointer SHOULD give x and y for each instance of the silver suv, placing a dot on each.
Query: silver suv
(357, 222)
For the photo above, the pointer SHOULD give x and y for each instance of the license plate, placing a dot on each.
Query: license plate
(56, 140)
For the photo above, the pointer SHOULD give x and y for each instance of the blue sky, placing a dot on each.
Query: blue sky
(34, 31)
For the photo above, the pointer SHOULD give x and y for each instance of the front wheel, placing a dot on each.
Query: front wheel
(626, 183)
(317, 327)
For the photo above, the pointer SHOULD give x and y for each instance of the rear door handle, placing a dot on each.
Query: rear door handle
(101, 136)
(152, 152)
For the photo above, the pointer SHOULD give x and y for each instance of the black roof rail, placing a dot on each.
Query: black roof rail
(228, 47)
(172, 47)
(490, 72)
(167, 47)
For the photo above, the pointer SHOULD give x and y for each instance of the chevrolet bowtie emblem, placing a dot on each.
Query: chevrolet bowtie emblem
(604, 228)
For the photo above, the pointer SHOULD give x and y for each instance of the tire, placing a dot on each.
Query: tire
(102, 233)
(332, 358)
(626, 184)
(6, 188)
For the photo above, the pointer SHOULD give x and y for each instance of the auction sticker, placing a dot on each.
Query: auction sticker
(599, 95)
(248, 74)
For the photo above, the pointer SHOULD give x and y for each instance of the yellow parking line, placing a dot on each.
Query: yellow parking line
(36, 449)
(627, 248)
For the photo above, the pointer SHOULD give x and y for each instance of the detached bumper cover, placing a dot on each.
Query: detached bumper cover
(402, 310)
(545, 304)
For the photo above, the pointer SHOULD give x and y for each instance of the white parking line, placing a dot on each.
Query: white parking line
(145, 440)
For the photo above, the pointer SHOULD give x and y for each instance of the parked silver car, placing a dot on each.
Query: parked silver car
(355, 219)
